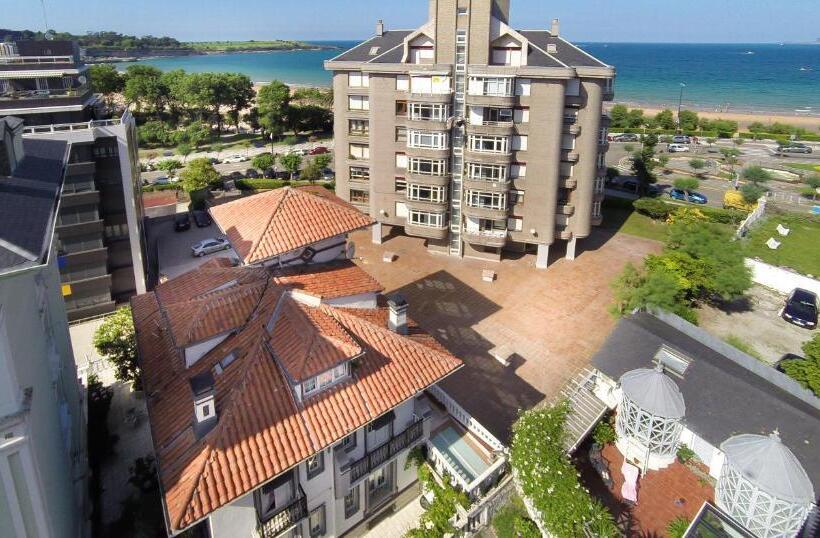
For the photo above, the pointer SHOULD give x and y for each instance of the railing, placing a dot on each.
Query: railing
(286, 518)
(62, 127)
(386, 451)
(496, 123)
(458, 412)
(493, 234)
(415, 93)
(416, 117)
(22, 60)
(44, 94)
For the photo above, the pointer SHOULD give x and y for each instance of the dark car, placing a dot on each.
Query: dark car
(795, 147)
(627, 137)
(202, 219)
(284, 174)
(687, 196)
(319, 150)
(214, 160)
(251, 173)
(328, 174)
(182, 222)
(801, 309)
(269, 173)
(236, 175)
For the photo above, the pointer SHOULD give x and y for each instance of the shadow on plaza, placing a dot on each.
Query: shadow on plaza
(448, 309)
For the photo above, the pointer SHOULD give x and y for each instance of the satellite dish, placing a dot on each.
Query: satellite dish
(50, 35)
(82, 79)
(351, 250)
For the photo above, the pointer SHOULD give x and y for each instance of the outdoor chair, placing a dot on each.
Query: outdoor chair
(782, 230)
(772, 243)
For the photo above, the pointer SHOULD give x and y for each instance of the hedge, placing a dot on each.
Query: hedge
(653, 208)
(659, 210)
(260, 184)
(158, 188)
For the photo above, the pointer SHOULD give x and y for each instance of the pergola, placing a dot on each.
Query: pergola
(763, 486)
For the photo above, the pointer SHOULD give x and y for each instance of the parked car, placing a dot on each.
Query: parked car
(269, 173)
(675, 148)
(626, 137)
(795, 147)
(167, 153)
(801, 308)
(209, 246)
(328, 174)
(319, 150)
(630, 185)
(165, 180)
(236, 175)
(182, 222)
(235, 159)
(214, 160)
(681, 139)
(251, 173)
(302, 152)
(690, 196)
(202, 219)
(284, 174)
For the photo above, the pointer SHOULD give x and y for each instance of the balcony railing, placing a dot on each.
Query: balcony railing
(44, 94)
(35, 60)
(387, 451)
(285, 518)
(61, 127)
(497, 234)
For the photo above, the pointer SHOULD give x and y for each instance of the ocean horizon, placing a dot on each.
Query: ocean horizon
(726, 77)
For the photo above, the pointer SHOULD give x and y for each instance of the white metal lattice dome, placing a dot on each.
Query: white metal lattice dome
(651, 410)
(763, 485)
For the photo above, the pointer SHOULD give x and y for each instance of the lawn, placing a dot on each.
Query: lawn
(620, 216)
(800, 250)
(803, 166)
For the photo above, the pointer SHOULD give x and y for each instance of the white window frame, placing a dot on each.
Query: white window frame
(601, 160)
(516, 197)
(426, 139)
(427, 219)
(401, 160)
(358, 132)
(323, 529)
(402, 83)
(515, 224)
(486, 200)
(487, 172)
(362, 152)
(428, 111)
(426, 193)
(359, 173)
(520, 142)
(599, 185)
(518, 170)
(426, 167)
(358, 102)
(357, 79)
(489, 144)
(309, 386)
(596, 208)
(366, 195)
(495, 86)
(523, 86)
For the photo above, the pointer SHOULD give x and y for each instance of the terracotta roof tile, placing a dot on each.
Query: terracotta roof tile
(272, 223)
(329, 281)
(262, 430)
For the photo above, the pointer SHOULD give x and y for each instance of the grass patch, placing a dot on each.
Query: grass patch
(510, 519)
(799, 250)
(803, 166)
(742, 345)
(621, 217)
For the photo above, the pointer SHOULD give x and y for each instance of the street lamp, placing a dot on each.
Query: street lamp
(680, 102)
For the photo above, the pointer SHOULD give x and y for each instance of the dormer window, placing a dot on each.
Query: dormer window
(314, 384)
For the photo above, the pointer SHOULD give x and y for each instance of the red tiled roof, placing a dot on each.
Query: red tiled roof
(273, 223)
(348, 279)
(262, 430)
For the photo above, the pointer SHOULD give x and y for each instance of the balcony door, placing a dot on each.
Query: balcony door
(381, 485)
(275, 495)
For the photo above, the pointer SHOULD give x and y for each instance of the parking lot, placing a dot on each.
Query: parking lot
(174, 248)
(757, 322)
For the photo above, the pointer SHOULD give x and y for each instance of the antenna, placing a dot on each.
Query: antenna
(45, 15)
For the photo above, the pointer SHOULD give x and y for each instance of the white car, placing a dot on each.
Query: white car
(164, 180)
(235, 159)
(676, 148)
(209, 246)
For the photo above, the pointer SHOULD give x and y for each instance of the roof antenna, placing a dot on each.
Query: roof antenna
(45, 16)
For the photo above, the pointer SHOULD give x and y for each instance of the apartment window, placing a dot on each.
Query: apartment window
(401, 134)
(68, 82)
(596, 209)
(401, 160)
(358, 127)
(4, 86)
(491, 86)
(515, 224)
(316, 522)
(427, 140)
(601, 160)
(352, 502)
(494, 116)
(570, 116)
(567, 169)
(325, 379)
(428, 112)
(573, 88)
(308, 386)
(602, 135)
(315, 465)
(426, 193)
(402, 83)
(358, 102)
(359, 151)
(426, 218)
(401, 108)
(486, 200)
(506, 56)
(427, 167)
(400, 184)
(77, 215)
(521, 115)
(523, 86)
(340, 371)
(487, 172)
(374, 51)
(358, 196)
(599, 185)
(519, 143)
(358, 80)
(282, 487)
(462, 11)
(348, 443)
(489, 144)
(105, 150)
(359, 173)
(427, 85)
(516, 197)
(567, 141)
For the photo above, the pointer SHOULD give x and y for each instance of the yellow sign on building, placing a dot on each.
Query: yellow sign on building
(66, 290)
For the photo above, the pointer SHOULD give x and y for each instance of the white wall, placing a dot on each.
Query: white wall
(780, 279)
(362, 300)
(293, 257)
(235, 519)
(197, 351)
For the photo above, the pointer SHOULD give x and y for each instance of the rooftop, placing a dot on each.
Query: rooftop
(273, 223)
(262, 429)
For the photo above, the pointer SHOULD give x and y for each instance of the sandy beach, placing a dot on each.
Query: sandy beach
(742, 118)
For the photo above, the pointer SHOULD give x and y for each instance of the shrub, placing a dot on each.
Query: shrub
(290, 140)
(169, 165)
(612, 172)
(723, 216)
(159, 188)
(677, 527)
(806, 371)
(685, 454)
(752, 193)
(116, 341)
(687, 183)
(653, 207)
(512, 521)
(604, 433)
(263, 161)
(260, 184)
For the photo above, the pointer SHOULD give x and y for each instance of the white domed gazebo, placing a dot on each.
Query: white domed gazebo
(763, 486)
(649, 417)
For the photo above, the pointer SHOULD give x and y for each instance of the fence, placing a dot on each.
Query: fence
(780, 279)
(758, 213)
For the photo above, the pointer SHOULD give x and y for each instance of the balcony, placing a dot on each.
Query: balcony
(427, 179)
(570, 156)
(564, 235)
(500, 100)
(44, 98)
(428, 153)
(487, 238)
(495, 128)
(568, 183)
(573, 129)
(566, 208)
(427, 232)
(485, 212)
(570, 119)
(12, 62)
(387, 451)
(500, 185)
(431, 97)
(286, 518)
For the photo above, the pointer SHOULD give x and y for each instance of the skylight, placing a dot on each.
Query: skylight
(374, 50)
(672, 360)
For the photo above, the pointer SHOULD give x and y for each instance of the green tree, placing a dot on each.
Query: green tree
(688, 120)
(751, 193)
(144, 86)
(635, 118)
(711, 140)
(183, 150)
(252, 118)
(644, 164)
(239, 94)
(738, 141)
(197, 133)
(730, 156)
(806, 371)
(665, 119)
(756, 175)
(618, 115)
(291, 162)
(154, 132)
(273, 102)
(105, 79)
(436, 522)
(199, 175)
(322, 161)
(263, 161)
(311, 173)
(115, 341)
(697, 165)
(687, 184)
(663, 161)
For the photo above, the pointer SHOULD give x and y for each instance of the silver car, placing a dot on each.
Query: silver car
(209, 246)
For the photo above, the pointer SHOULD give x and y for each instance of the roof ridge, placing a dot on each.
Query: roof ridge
(286, 190)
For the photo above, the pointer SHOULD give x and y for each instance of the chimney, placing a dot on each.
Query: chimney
(202, 386)
(555, 28)
(397, 320)
(380, 28)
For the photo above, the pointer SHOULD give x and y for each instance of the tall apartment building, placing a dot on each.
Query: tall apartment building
(43, 463)
(99, 227)
(476, 136)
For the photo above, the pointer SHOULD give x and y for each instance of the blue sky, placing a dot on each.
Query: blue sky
(582, 20)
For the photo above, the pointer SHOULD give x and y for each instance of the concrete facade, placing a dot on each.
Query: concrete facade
(473, 135)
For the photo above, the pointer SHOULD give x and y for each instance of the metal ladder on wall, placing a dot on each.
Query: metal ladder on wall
(457, 142)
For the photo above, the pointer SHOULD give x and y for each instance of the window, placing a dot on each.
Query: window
(491, 86)
(315, 465)
(518, 170)
(401, 210)
(567, 169)
(352, 502)
(401, 134)
(358, 196)
(601, 160)
(426, 218)
(573, 88)
(426, 193)
(599, 185)
(428, 112)
(308, 386)
(348, 443)
(519, 143)
(602, 135)
(567, 142)
(515, 224)
(374, 51)
(400, 184)
(516, 197)
(325, 379)
(340, 371)
(358, 102)
(486, 172)
(463, 11)
(427, 140)
(596, 209)
(486, 200)
(401, 108)
(489, 144)
(359, 173)
(521, 115)
(359, 151)
(494, 116)
(282, 488)
(358, 127)
(427, 167)
(401, 160)
(316, 520)
(358, 80)
(506, 56)
(402, 83)
(522, 86)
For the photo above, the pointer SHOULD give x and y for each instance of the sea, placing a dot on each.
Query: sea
(762, 78)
